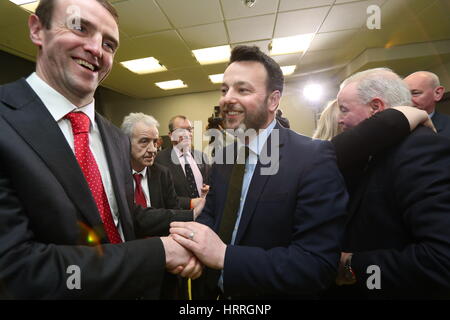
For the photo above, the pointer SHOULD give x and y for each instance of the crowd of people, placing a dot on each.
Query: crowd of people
(359, 211)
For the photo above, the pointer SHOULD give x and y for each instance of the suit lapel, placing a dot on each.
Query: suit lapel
(154, 178)
(258, 183)
(36, 126)
(114, 154)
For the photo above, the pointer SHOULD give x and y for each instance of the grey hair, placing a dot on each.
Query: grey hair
(130, 121)
(380, 83)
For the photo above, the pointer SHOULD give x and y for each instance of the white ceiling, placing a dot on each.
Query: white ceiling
(169, 29)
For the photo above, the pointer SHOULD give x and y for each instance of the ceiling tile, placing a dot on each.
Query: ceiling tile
(205, 36)
(348, 16)
(299, 22)
(287, 59)
(249, 29)
(191, 12)
(286, 5)
(138, 17)
(332, 40)
(234, 9)
(166, 46)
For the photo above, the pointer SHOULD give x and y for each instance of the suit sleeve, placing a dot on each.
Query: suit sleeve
(30, 269)
(309, 263)
(421, 183)
(375, 134)
(151, 222)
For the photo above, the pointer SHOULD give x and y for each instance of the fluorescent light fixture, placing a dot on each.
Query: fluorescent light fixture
(288, 70)
(29, 5)
(292, 44)
(144, 65)
(212, 55)
(216, 78)
(169, 85)
(313, 92)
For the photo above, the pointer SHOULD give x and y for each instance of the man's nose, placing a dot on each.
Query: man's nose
(94, 45)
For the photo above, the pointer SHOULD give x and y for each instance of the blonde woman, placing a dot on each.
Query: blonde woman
(327, 126)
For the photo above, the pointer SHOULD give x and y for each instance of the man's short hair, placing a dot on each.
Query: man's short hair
(380, 83)
(171, 121)
(130, 121)
(275, 78)
(46, 7)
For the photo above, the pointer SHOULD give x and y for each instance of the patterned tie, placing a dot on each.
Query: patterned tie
(233, 201)
(80, 127)
(139, 197)
(192, 186)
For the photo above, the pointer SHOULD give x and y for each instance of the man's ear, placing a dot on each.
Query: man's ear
(438, 93)
(376, 105)
(274, 100)
(35, 26)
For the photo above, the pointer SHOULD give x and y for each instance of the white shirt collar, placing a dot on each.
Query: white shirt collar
(143, 172)
(56, 103)
(257, 143)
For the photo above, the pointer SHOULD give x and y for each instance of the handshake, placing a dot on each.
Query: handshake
(191, 246)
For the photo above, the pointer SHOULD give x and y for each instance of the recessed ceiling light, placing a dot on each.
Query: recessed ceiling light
(213, 54)
(216, 78)
(169, 85)
(288, 70)
(144, 65)
(292, 44)
(313, 92)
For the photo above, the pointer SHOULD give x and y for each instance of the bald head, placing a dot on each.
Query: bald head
(425, 89)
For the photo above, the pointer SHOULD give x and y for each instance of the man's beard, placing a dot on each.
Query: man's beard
(254, 121)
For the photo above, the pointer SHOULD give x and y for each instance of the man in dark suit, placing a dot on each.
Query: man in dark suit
(153, 182)
(426, 91)
(281, 237)
(68, 225)
(396, 243)
(189, 168)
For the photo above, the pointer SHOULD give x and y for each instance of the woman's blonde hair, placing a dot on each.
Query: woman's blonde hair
(327, 126)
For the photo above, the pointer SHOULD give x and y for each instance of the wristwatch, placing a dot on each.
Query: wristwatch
(349, 274)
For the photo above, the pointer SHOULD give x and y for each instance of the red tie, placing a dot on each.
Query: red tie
(139, 197)
(80, 127)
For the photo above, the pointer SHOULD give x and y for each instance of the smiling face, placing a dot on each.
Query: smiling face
(245, 100)
(73, 57)
(144, 143)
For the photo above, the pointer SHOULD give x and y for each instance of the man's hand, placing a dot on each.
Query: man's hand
(201, 241)
(345, 276)
(179, 260)
(204, 190)
(415, 117)
(198, 205)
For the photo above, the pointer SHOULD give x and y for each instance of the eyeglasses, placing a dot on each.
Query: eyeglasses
(190, 129)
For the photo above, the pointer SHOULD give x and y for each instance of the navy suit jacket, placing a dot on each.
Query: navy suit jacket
(400, 220)
(442, 123)
(49, 220)
(288, 241)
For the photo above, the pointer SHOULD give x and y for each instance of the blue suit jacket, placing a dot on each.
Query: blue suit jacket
(442, 123)
(288, 238)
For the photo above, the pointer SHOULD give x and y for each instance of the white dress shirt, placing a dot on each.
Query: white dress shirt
(144, 184)
(197, 174)
(59, 107)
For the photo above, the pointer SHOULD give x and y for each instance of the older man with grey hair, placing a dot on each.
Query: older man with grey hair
(397, 240)
(153, 183)
(426, 91)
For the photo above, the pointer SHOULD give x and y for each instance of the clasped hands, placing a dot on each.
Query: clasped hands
(191, 246)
